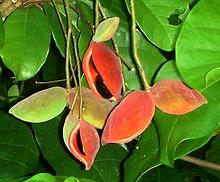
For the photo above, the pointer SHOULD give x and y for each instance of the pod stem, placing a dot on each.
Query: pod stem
(96, 13)
(134, 48)
(75, 46)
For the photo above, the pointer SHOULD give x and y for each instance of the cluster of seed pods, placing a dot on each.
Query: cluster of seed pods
(121, 118)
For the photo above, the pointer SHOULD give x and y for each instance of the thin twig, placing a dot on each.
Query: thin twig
(134, 48)
(96, 13)
(21, 87)
(79, 74)
(60, 19)
(67, 8)
(128, 65)
(201, 163)
(67, 62)
(73, 68)
(48, 82)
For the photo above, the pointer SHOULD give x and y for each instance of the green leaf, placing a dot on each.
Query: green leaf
(105, 168)
(45, 177)
(85, 9)
(13, 93)
(160, 20)
(84, 37)
(212, 155)
(195, 55)
(27, 41)
(161, 174)
(19, 153)
(2, 33)
(150, 56)
(213, 76)
(144, 157)
(56, 28)
(199, 124)
(85, 23)
(168, 71)
(41, 106)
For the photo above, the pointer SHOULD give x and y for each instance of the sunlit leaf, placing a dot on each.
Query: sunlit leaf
(195, 56)
(160, 20)
(27, 34)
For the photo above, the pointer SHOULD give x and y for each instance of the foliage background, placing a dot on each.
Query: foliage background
(177, 39)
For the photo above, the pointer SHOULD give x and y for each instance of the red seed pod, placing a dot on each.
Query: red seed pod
(174, 97)
(102, 71)
(89, 140)
(129, 119)
(82, 141)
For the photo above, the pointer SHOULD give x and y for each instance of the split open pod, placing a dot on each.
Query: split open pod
(80, 135)
(129, 118)
(102, 71)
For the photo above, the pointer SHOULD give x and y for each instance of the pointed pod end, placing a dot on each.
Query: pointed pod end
(106, 29)
(174, 97)
(84, 143)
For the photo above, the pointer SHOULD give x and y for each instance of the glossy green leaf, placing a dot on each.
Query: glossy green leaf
(85, 9)
(106, 165)
(144, 157)
(41, 106)
(160, 20)
(213, 76)
(27, 41)
(212, 155)
(18, 150)
(2, 33)
(13, 93)
(195, 55)
(150, 56)
(85, 23)
(45, 177)
(106, 29)
(200, 123)
(168, 71)
(84, 37)
(56, 28)
(162, 174)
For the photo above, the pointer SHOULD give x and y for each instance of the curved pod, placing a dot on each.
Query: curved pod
(129, 119)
